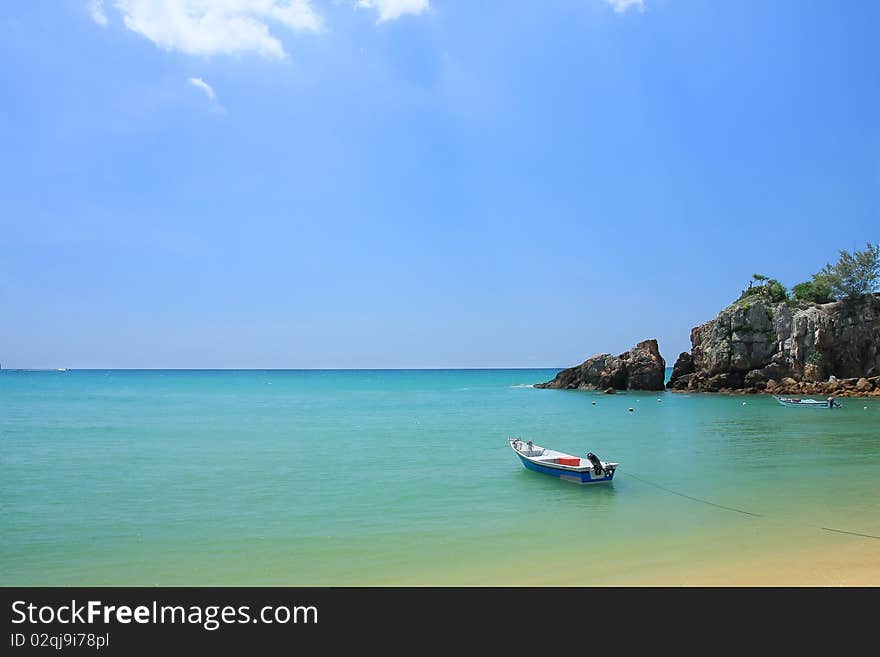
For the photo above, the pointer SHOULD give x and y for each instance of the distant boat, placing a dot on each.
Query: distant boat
(565, 466)
(807, 403)
(61, 369)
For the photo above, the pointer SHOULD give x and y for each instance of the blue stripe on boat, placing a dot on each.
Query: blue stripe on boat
(569, 475)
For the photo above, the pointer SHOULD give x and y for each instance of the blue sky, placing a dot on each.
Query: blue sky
(418, 183)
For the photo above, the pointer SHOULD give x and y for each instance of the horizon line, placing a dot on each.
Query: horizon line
(282, 369)
(267, 369)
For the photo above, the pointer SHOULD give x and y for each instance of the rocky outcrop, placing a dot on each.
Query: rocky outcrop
(684, 365)
(757, 346)
(640, 368)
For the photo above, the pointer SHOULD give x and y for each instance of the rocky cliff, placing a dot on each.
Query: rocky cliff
(757, 346)
(640, 368)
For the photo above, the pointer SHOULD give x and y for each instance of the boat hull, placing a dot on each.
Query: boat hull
(806, 403)
(585, 477)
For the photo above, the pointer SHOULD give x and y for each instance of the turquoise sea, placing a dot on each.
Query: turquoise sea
(405, 477)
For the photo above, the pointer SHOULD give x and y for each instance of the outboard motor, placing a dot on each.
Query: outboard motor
(597, 464)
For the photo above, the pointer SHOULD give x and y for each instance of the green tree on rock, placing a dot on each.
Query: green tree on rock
(818, 290)
(854, 274)
(767, 288)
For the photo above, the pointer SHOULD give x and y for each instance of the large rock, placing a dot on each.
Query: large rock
(640, 368)
(794, 346)
(684, 365)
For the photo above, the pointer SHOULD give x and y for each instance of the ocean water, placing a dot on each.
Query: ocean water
(405, 477)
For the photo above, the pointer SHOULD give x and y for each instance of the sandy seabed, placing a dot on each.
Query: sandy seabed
(805, 559)
(855, 565)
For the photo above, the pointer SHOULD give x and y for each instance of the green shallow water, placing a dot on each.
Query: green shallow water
(405, 477)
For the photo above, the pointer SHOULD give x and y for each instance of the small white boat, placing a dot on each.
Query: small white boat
(807, 403)
(565, 466)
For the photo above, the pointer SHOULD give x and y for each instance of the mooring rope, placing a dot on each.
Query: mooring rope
(730, 508)
(695, 499)
(843, 531)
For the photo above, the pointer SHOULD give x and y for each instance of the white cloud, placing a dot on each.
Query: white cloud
(198, 83)
(96, 10)
(210, 27)
(621, 6)
(392, 9)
